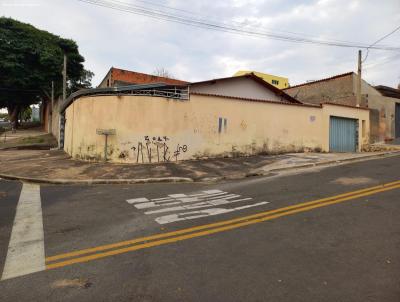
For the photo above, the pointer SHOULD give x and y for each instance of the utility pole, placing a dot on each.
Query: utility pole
(52, 94)
(65, 78)
(61, 116)
(51, 108)
(358, 102)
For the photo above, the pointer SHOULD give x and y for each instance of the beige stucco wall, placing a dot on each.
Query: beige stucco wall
(189, 129)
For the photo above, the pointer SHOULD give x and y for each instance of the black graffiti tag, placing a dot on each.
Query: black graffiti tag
(161, 146)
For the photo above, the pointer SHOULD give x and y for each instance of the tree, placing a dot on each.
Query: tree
(162, 72)
(30, 59)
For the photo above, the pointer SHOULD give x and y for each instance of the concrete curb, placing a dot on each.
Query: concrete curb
(191, 180)
(97, 181)
(324, 163)
(301, 166)
(29, 147)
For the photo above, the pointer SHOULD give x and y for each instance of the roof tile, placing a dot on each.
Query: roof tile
(141, 78)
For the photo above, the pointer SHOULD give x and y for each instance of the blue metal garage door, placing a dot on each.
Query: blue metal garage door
(342, 134)
(397, 120)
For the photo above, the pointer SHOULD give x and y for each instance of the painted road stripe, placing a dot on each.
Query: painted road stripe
(142, 203)
(25, 253)
(163, 198)
(179, 199)
(202, 204)
(137, 200)
(203, 213)
(210, 193)
(177, 195)
(126, 246)
(209, 231)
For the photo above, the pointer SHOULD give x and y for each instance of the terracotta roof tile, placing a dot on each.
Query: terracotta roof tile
(141, 78)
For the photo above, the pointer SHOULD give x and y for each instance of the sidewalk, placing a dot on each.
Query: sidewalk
(57, 167)
(32, 138)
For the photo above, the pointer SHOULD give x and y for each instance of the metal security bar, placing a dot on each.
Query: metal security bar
(154, 90)
(182, 94)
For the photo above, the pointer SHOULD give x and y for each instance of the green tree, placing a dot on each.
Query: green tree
(26, 114)
(30, 59)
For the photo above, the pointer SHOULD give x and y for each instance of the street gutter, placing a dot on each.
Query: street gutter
(172, 179)
(275, 171)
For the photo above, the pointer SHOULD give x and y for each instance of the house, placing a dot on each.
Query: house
(248, 85)
(118, 77)
(279, 82)
(341, 89)
(232, 116)
(389, 91)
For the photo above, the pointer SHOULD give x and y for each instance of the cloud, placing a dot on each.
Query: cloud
(112, 38)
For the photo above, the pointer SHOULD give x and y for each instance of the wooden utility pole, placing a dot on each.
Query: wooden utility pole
(60, 116)
(358, 100)
(65, 78)
(51, 108)
(52, 95)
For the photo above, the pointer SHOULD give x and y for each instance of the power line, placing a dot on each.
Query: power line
(205, 17)
(117, 5)
(379, 40)
(243, 24)
(223, 27)
(385, 36)
(383, 62)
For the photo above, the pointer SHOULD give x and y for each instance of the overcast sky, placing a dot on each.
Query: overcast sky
(113, 38)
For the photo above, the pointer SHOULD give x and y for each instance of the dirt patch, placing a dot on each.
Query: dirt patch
(348, 181)
(79, 283)
(30, 142)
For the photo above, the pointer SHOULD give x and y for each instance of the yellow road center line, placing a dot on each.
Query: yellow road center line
(310, 206)
(207, 226)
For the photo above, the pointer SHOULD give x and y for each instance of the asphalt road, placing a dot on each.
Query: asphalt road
(345, 248)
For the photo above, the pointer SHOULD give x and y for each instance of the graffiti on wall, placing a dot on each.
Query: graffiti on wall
(157, 149)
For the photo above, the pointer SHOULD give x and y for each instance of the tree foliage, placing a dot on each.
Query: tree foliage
(162, 72)
(26, 114)
(30, 59)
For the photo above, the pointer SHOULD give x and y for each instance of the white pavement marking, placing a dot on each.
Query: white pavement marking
(213, 191)
(25, 253)
(136, 200)
(177, 195)
(202, 213)
(182, 200)
(199, 205)
(190, 202)
(162, 199)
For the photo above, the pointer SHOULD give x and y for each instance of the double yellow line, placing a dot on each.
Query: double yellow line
(103, 251)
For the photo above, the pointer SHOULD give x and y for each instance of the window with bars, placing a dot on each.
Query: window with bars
(222, 125)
